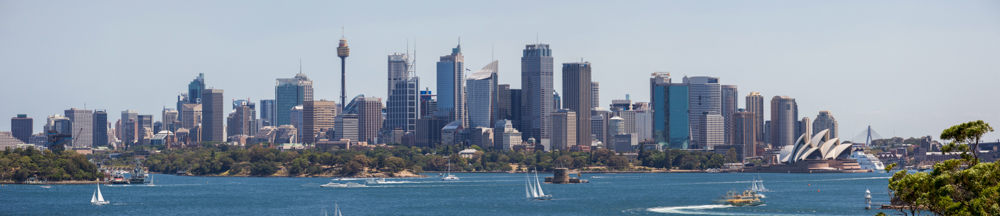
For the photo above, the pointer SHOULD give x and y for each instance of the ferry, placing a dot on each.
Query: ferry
(747, 198)
(868, 161)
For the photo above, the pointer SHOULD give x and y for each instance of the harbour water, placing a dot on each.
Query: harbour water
(474, 194)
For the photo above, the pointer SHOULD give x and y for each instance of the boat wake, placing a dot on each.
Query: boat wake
(690, 209)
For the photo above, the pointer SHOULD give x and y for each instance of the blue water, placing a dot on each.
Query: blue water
(476, 193)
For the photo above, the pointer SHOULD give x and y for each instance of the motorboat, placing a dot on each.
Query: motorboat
(343, 185)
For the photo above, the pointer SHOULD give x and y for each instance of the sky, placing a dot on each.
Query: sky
(907, 68)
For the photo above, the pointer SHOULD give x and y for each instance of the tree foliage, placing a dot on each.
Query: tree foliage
(19, 164)
(955, 187)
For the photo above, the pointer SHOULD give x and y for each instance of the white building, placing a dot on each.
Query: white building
(479, 90)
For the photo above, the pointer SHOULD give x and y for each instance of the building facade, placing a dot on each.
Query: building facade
(595, 94)
(670, 103)
(288, 93)
(450, 88)
(267, 113)
(730, 102)
(755, 105)
(403, 106)
(536, 92)
(705, 96)
(577, 96)
(100, 126)
(82, 127)
(744, 133)
(369, 118)
(317, 116)
(825, 121)
(480, 86)
(564, 130)
(213, 116)
(784, 118)
(21, 127)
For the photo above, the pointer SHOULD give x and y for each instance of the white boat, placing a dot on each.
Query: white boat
(757, 185)
(867, 161)
(375, 181)
(534, 191)
(97, 198)
(344, 185)
(449, 177)
(152, 182)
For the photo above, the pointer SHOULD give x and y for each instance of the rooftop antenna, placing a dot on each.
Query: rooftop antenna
(342, 33)
(300, 65)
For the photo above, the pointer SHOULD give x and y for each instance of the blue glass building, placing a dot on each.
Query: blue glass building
(289, 93)
(670, 112)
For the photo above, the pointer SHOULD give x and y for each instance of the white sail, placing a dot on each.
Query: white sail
(337, 210)
(100, 198)
(540, 193)
(527, 182)
(93, 199)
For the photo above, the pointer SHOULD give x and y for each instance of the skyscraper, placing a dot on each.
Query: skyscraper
(804, 126)
(295, 118)
(288, 93)
(82, 127)
(191, 115)
(317, 116)
(599, 125)
(755, 105)
(403, 104)
(212, 116)
(705, 96)
(21, 127)
(670, 104)
(595, 96)
(195, 89)
(481, 92)
(710, 131)
(169, 118)
(100, 122)
(503, 103)
(242, 121)
(144, 128)
(564, 130)
(267, 112)
(825, 121)
(369, 118)
(536, 92)
(577, 95)
(428, 103)
(730, 102)
(515, 109)
(744, 133)
(450, 91)
(784, 116)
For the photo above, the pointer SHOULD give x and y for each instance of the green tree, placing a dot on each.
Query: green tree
(955, 187)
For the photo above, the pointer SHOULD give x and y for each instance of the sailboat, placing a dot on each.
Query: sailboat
(534, 191)
(97, 198)
(152, 182)
(760, 185)
(449, 177)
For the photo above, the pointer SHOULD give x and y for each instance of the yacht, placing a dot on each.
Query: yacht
(449, 177)
(344, 185)
(867, 161)
(97, 198)
(534, 190)
(376, 181)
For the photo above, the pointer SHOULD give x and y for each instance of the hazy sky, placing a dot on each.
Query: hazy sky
(908, 68)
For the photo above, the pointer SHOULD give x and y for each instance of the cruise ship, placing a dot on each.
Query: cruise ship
(867, 161)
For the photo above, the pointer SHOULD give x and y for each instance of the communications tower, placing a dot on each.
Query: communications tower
(343, 51)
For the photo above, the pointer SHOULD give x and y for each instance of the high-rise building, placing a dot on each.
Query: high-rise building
(643, 123)
(399, 68)
(621, 104)
(21, 127)
(595, 96)
(369, 118)
(317, 116)
(599, 125)
(503, 104)
(243, 120)
(288, 93)
(82, 127)
(132, 114)
(577, 93)
(784, 117)
(802, 127)
(505, 135)
(428, 103)
(130, 132)
(515, 109)
(346, 127)
(705, 96)
(710, 131)
(730, 102)
(295, 116)
(212, 116)
(195, 89)
(564, 130)
(144, 128)
(825, 121)
(191, 115)
(670, 104)
(536, 92)
(556, 101)
(450, 91)
(755, 105)
(100, 126)
(480, 88)
(428, 133)
(616, 125)
(402, 108)
(267, 112)
(169, 118)
(744, 133)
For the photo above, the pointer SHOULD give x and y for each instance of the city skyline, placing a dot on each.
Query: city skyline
(947, 48)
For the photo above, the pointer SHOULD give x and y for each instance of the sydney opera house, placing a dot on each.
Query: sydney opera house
(816, 154)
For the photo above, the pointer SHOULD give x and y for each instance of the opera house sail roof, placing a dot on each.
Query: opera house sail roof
(816, 147)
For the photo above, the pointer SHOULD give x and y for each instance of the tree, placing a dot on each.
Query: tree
(618, 162)
(731, 156)
(968, 133)
(955, 187)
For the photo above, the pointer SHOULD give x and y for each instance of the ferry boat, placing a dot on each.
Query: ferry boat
(118, 178)
(747, 198)
(867, 161)
(138, 175)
